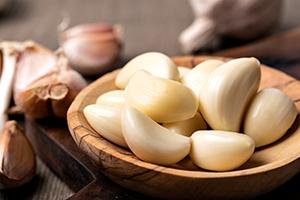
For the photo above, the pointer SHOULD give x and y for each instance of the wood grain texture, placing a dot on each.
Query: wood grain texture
(268, 168)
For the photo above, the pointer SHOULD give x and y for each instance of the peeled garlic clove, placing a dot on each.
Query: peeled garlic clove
(155, 63)
(270, 114)
(113, 98)
(227, 92)
(106, 121)
(17, 158)
(92, 49)
(151, 142)
(196, 77)
(187, 127)
(182, 71)
(220, 150)
(163, 100)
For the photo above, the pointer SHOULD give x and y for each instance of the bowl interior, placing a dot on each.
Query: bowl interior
(278, 154)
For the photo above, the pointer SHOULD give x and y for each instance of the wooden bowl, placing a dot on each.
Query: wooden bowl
(268, 168)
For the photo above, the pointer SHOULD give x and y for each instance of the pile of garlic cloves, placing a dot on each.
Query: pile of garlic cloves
(39, 83)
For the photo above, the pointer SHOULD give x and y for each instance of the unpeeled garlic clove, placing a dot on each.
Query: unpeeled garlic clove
(150, 141)
(270, 114)
(157, 64)
(92, 49)
(113, 98)
(195, 78)
(187, 127)
(163, 100)
(220, 150)
(17, 158)
(38, 97)
(227, 92)
(106, 121)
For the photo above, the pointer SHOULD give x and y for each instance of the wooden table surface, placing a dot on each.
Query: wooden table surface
(149, 26)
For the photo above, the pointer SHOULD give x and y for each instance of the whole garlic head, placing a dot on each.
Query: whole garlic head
(242, 20)
(92, 49)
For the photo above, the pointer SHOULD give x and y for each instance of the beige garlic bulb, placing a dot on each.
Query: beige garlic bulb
(270, 114)
(92, 49)
(214, 19)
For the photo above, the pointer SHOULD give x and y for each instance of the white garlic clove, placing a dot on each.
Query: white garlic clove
(182, 71)
(92, 49)
(106, 121)
(196, 77)
(220, 150)
(270, 114)
(187, 127)
(151, 142)
(155, 63)
(113, 98)
(227, 92)
(163, 100)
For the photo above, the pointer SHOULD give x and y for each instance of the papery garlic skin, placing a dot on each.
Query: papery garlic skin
(17, 157)
(270, 114)
(92, 49)
(113, 98)
(44, 69)
(106, 121)
(220, 150)
(187, 127)
(157, 64)
(163, 100)
(228, 91)
(150, 141)
(196, 77)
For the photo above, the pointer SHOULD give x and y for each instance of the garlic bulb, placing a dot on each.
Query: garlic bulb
(162, 99)
(157, 64)
(151, 142)
(270, 114)
(220, 150)
(17, 158)
(92, 49)
(44, 83)
(227, 92)
(242, 20)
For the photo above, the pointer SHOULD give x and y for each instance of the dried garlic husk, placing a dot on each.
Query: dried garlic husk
(236, 19)
(51, 84)
(91, 49)
(17, 158)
